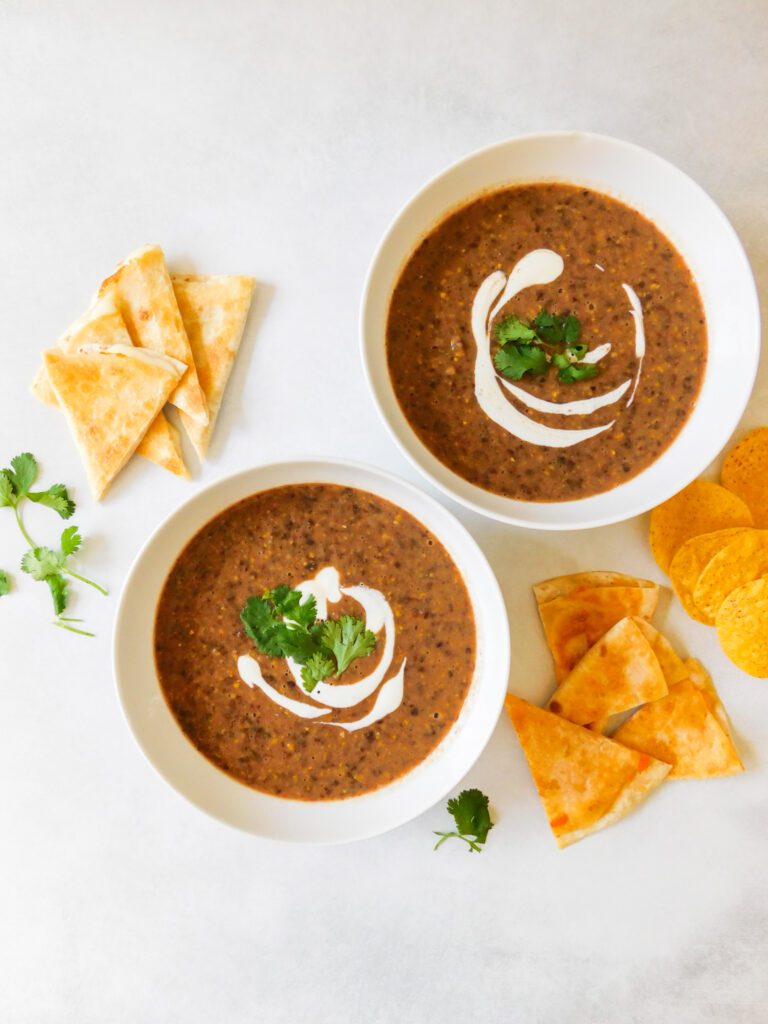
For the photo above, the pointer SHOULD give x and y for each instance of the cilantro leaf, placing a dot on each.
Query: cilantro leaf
(557, 330)
(348, 638)
(571, 373)
(56, 497)
(577, 352)
(70, 541)
(317, 668)
(41, 563)
(5, 583)
(23, 473)
(293, 605)
(512, 328)
(472, 817)
(58, 587)
(6, 489)
(571, 329)
(261, 625)
(514, 361)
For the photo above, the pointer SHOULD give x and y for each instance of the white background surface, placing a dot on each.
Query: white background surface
(278, 139)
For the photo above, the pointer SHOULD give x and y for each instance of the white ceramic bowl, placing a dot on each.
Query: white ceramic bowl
(692, 222)
(215, 792)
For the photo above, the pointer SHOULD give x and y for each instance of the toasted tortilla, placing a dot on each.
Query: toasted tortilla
(143, 293)
(671, 663)
(562, 586)
(688, 728)
(214, 311)
(616, 674)
(586, 781)
(110, 397)
(574, 622)
(102, 325)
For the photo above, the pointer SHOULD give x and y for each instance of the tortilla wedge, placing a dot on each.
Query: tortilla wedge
(562, 586)
(616, 674)
(214, 311)
(143, 293)
(688, 728)
(110, 397)
(103, 325)
(577, 620)
(586, 781)
(672, 665)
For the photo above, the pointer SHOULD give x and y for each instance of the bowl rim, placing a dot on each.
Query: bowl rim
(493, 677)
(693, 469)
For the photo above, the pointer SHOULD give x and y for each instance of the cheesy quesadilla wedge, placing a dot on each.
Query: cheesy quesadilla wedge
(142, 290)
(103, 325)
(562, 586)
(577, 620)
(110, 395)
(616, 674)
(586, 781)
(214, 311)
(688, 728)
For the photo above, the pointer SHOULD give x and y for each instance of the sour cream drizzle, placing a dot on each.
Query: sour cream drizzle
(326, 589)
(541, 266)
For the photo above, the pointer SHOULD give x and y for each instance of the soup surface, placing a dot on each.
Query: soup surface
(641, 319)
(294, 535)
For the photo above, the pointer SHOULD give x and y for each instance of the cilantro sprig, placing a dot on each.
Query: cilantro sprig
(48, 565)
(523, 347)
(283, 624)
(472, 817)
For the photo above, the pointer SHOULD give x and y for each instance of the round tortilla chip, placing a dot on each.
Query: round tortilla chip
(689, 563)
(701, 507)
(743, 559)
(742, 627)
(745, 472)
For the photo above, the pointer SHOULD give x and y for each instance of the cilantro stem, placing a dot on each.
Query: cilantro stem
(64, 625)
(84, 579)
(27, 538)
(471, 843)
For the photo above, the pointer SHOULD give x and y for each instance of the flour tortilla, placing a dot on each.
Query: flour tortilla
(616, 674)
(586, 781)
(102, 325)
(110, 397)
(142, 291)
(214, 311)
(672, 665)
(562, 586)
(688, 728)
(574, 622)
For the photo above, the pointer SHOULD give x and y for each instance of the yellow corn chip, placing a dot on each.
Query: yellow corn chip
(742, 627)
(690, 560)
(618, 673)
(745, 472)
(586, 781)
(688, 729)
(744, 558)
(573, 623)
(701, 507)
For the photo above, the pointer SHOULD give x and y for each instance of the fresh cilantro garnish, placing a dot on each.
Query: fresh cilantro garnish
(283, 624)
(44, 563)
(472, 817)
(514, 361)
(317, 668)
(348, 638)
(512, 328)
(5, 583)
(522, 347)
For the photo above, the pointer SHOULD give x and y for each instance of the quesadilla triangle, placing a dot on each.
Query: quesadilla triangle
(575, 621)
(103, 325)
(586, 781)
(671, 663)
(616, 674)
(110, 397)
(143, 293)
(214, 311)
(688, 728)
(562, 586)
